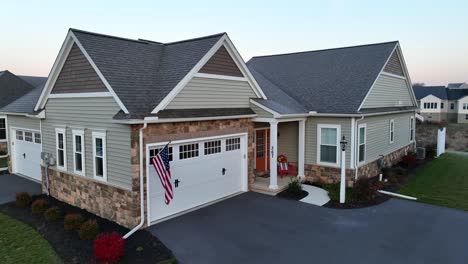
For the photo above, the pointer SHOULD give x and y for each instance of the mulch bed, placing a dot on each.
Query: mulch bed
(141, 247)
(286, 194)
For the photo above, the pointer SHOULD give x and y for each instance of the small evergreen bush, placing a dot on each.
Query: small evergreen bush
(73, 221)
(53, 214)
(89, 230)
(39, 206)
(23, 199)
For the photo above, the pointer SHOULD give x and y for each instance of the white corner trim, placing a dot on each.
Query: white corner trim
(80, 95)
(338, 148)
(353, 142)
(223, 41)
(274, 113)
(220, 77)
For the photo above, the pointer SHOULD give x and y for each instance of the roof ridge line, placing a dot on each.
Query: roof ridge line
(329, 49)
(197, 38)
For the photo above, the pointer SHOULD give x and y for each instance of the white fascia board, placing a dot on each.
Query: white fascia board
(81, 95)
(153, 120)
(274, 113)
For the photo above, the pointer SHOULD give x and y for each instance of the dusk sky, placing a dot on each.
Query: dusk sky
(433, 34)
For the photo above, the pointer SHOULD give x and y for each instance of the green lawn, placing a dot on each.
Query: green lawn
(443, 181)
(19, 243)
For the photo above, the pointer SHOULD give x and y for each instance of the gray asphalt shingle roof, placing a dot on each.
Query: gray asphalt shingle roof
(12, 87)
(26, 103)
(142, 72)
(440, 92)
(326, 81)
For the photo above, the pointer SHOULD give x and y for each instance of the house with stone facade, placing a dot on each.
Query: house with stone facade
(20, 135)
(443, 104)
(111, 104)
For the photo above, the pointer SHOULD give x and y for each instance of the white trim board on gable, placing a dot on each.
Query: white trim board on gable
(58, 66)
(223, 41)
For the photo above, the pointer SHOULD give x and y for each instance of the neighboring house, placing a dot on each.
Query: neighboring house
(112, 103)
(20, 125)
(443, 104)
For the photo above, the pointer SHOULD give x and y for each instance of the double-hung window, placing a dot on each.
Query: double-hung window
(362, 143)
(412, 129)
(100, 156)
(79, 152)
(328, 144)
(61, 147)
(392, 131)
(3, 129)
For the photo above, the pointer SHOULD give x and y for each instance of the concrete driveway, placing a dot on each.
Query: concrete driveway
(11, 184)
(256, 228)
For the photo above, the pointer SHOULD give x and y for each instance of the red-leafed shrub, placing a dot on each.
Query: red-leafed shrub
(109, 248)
(23, 199)
(39, 206)
(73, 221)
(53, 214)
(409, 161)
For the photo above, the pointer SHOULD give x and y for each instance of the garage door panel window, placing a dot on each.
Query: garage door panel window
(78, 152)
(188, 151)
(328, 144)
(154, 152)
(28, 136)
(2, 129)
(212, 147)
(61, 148)
(99, 156)
(37, 138)
(19, 135)
(232, 144)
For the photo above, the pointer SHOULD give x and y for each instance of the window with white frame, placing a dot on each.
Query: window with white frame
(212, 147)
(3, 129)
(452, 106)
(19, 135)
(232, 144)
(188, 151)
(412, 129)
(328, 143)
(465, 106)
(441, 105)
(392, 131)
(61, 148)
(79, 166)
(466, 117)
(99, 156)
(37, 138)
(154, 152)
(362, 143)
(28, 136)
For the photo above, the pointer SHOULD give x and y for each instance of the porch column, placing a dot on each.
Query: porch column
(301, 149)
(273, 155)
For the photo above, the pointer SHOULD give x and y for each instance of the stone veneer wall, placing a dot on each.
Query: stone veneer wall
(325, 174)
(110, 202)
(164, 132)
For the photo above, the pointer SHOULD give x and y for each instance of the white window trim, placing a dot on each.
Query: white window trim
(101, 135)
(6, 128)
(412, 129)
(61, 131)
(365, 143)
(338, 150)
(79, 132)
(391, 130)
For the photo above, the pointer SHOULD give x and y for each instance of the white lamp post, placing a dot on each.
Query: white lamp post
(343, 143)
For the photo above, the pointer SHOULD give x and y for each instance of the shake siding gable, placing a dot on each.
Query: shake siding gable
(388, 91)
(213, 93)
(221, 63)
(77, 75)
(90, 114)
(394, 65)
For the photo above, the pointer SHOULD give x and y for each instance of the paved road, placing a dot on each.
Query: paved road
(11, 184)
(256, 228)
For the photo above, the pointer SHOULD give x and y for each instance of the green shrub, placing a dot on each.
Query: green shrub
(73, 221)
(53, 214)
(23, 199)
(366, 190)
(39, 206)
(295, 186)
(89, 230)
(333, 190)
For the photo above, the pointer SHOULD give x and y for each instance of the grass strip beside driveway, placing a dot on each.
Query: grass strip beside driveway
(19, 243)
(443, 181)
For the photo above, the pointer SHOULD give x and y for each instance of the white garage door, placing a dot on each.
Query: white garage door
(27, 153)
(203, 171)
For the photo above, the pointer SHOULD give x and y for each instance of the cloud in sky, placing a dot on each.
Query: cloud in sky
(432, 33)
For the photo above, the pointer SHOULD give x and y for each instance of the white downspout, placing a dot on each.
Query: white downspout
(142, 202)
(356, 147)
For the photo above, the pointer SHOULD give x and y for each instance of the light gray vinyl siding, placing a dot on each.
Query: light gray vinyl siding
(23, 122)
(90, 114)
(260, 112)
(388, 91)
(378, 134)
(213, 93)
(311, 136)
(288, 139)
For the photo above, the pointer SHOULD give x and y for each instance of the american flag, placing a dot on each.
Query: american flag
(161, 164)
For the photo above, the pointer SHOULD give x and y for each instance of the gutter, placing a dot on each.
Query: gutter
(142, 202)
(155, 119)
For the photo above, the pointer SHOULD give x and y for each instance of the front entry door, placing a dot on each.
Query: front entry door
(262, 150)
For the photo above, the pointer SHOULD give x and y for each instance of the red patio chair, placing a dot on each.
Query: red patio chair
(284, 167)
